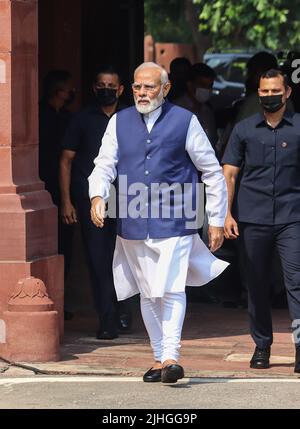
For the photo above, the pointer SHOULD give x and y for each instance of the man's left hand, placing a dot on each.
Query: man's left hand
(215, 237)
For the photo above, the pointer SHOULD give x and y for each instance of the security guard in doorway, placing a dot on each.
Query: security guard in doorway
(80, 146)
(265, 149)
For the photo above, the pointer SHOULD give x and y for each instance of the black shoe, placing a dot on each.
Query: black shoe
(124, 324)
(171, 373)
(152, 376)
(106, 335)
(107, 328)
(297, 360)
(261, 358)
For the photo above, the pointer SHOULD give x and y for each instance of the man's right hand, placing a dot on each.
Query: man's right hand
(68, 213)
(231, 230)
(98, 211)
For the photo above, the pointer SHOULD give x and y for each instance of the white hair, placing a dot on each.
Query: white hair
(148, 65)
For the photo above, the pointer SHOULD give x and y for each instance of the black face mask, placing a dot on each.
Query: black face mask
(271, 103)
(106, 96)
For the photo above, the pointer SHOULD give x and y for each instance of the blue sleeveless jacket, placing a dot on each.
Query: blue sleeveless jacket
(147, 160)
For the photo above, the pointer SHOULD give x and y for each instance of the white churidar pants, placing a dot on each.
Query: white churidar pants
(163, 318)
(159, 269)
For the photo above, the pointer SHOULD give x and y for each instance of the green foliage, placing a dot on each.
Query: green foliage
(165, 21)
(232, 23)
(251, 23)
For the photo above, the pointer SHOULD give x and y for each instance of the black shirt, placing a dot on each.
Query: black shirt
(84, 136)
(52, 127)
(269, 191)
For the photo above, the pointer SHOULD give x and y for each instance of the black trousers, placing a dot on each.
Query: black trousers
(65, 241)
(65, 235)
(257, 245)
(99, 246)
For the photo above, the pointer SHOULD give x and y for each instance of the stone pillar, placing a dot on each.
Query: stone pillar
(30, 318)
(149, 49)
(28, 218)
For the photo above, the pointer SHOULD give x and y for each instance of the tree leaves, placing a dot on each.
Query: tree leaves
(232, 23)
(264, 24)
(165, 21)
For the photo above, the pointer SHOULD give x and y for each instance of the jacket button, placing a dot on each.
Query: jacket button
(284, 144)
(148, 156)
(147, 172)
(148, 141)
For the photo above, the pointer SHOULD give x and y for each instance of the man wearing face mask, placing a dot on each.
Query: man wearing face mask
(54, 117)
(268, 207)
(199, 84)
(81, 145)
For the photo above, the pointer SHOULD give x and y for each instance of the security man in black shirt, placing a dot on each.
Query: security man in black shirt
(81, 146)
(265, 149)
(54, 118)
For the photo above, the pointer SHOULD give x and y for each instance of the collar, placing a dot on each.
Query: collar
(157, 114)
(287, 118)
(153, 115)
(95, 108)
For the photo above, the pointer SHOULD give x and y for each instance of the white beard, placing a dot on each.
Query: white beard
(153, 104)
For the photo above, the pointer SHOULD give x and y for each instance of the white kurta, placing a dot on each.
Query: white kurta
(153, 267)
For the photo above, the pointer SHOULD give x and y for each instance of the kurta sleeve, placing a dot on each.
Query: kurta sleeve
(204, 159)
(105, 170)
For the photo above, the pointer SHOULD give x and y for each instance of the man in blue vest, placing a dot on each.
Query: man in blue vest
(155, 150)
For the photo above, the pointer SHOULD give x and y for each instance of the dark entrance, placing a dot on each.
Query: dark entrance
(81, 34)
(77, 36)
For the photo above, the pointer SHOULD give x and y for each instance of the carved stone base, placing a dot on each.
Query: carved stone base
(31, 336)
(30, 324)
(50, 271)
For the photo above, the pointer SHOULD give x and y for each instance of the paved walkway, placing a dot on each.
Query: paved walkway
(215, 343)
